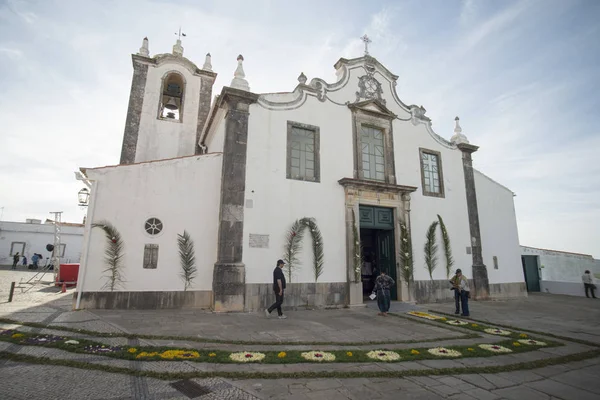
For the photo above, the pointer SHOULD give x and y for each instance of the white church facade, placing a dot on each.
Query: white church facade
(341, 180)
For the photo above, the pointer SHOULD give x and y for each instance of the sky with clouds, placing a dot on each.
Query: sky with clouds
(523, 76)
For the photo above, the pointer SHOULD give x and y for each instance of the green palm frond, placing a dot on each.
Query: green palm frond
(187, 258)
(317, 243)
(293, 246)
(447, 247)
(430, 249)
(113, 254)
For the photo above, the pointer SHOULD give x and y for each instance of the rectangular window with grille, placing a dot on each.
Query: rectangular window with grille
(372, 149)
(303, 152)
(431, 173)
(151, 256)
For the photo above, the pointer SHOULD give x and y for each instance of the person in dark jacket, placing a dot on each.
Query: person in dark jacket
(16, 258)
(278, 288)
(383, 286)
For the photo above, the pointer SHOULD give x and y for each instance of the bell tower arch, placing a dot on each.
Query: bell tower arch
(169, 102)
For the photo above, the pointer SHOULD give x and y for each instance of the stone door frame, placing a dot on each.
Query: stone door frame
(359, 192)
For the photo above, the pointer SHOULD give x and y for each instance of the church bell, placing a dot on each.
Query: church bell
(171, 104)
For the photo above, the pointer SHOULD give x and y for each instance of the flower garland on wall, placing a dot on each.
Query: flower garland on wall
(406, 255)
(357, 250)
(113, 254)
(294, 245)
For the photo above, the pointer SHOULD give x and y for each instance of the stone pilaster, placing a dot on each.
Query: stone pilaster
(206, 85)
(481, 285)
(229, 275)
(134, 111)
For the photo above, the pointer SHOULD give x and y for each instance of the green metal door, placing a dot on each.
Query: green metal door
(386, 256)
(531, 272)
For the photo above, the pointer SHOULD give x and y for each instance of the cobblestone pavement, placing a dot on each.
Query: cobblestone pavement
(573, 381)
(573, 317)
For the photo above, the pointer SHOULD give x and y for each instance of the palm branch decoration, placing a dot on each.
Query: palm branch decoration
(187, 258)
(293, 245)
(406, 256)
(430, 249)
(317, 244)
(447, 247)
(113, 254)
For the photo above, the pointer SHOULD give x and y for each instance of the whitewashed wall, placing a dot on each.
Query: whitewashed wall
(36, 237)
(160, 138)
(183, 193)
(278, 201)
(499, 233)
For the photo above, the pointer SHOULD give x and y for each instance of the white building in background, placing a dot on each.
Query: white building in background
(32, 236)
(557, 272)
(237, 174)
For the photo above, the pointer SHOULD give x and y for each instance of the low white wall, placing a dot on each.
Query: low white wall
(36, 237)
(568, 288)
(183, 193)
(559, 266)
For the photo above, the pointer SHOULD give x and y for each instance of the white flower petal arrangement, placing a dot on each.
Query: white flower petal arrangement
(443, 352)
(318, 356)
(383, 355)
(495, 331)
(457, 322)
(246, 356)
(495, 348)
(532, 342)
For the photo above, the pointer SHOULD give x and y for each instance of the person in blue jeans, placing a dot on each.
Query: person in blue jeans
(462, 293)
(383, 284)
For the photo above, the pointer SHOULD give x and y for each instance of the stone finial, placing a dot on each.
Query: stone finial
(207, 63)
(144, 50)
(178, 48)
(238, 81)
(458, 136)
(302, 78)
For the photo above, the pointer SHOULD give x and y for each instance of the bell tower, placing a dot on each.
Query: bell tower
(168, 105)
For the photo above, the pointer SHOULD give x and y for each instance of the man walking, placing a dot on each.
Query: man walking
(15, 260)
(588, 284)
(278, 288)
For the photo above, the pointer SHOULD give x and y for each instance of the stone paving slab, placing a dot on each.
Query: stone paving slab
(568, 316)
(341, 325)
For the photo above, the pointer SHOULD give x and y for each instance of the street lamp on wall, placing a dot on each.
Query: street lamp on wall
(84, 197)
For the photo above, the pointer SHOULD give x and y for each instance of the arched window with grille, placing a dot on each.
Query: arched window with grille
(172, 97)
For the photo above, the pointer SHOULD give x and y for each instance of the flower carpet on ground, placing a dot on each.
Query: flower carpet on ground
(509, 341)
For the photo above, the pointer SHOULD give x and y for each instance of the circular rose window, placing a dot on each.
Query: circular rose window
(153, 226)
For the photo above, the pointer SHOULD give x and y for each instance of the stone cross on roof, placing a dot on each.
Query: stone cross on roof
(366, 40)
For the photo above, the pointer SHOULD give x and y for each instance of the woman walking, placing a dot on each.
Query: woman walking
(383, 284)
